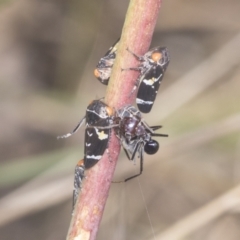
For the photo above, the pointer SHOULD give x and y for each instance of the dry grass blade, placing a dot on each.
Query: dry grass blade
(226, 203)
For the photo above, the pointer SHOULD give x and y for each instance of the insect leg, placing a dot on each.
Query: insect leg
(139, 58)
(74, 130)
(154, 128)
(141, 163)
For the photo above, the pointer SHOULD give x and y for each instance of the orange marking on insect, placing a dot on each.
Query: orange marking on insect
(110, 111)
(80, 163)
(96, 73)
(156, 56)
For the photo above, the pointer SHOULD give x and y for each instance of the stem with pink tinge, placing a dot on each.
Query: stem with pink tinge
(136, 35)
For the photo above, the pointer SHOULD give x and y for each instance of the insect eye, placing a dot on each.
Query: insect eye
(96, 73)
(156, 56)
(151, 147)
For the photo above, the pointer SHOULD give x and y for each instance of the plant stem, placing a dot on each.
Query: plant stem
(137, 33)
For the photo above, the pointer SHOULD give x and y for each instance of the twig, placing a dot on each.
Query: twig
(136, 35)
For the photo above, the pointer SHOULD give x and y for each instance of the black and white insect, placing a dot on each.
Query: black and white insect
(136, 135)
(104, 67)
(78, 178)
(152, 67)
(98, 118)
(99, 121)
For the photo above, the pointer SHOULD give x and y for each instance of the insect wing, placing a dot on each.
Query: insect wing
(104, 67)
(78, 178)
(112, 49)
(96, 142)
(148, 88)
(96, 132)
(96, 111)
(165, 58)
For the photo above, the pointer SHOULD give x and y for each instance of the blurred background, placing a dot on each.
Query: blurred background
(189, 189)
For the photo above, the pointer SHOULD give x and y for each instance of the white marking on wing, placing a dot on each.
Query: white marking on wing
(94, 157)
(140, 101)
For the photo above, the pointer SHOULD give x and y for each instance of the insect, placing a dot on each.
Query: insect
(78, 178)
(152, 67)
(98, 120)
(104, 67)
(135, 135)
(97, 132)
